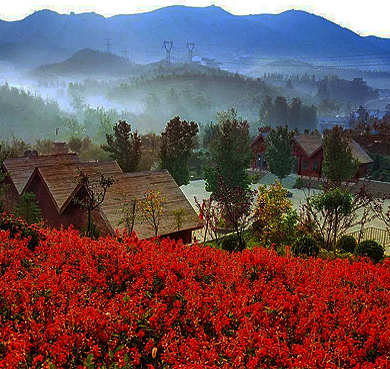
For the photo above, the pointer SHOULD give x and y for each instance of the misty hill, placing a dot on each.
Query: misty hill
(216, 33)
(89, 62)
(27, 116)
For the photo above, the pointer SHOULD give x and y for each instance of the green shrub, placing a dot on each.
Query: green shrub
(305, 245)
(347, 243)
(298, 183)
(229, 243)
(370, 248)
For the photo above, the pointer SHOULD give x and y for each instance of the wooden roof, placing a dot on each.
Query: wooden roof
(60, 173)
(21, 169)
(260, 137)
(135, 185)
(359, 153)
(62, 180)
(309, 143)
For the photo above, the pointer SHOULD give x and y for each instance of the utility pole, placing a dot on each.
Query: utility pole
(168, 47)
(108, 45)
(190, 48)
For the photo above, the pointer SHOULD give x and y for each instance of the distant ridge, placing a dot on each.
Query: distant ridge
(216, 33)
(86, 62)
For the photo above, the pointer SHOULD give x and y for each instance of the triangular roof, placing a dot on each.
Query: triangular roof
(359, 153)
(59, 175)
(135, 185)
(310, 144)
(61, 180)
(21, 169)
(262, 135)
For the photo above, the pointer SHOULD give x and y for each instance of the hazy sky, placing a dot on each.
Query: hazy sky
(365, 18)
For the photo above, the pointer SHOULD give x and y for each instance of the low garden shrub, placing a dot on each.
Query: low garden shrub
(370, 248)
(347, 243)
(305, 245)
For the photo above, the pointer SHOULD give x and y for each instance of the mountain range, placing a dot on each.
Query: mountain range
(46, 37)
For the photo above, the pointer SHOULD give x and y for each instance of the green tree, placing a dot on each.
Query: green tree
(124, 147)
(281, 111)
(177, 144)
(231, 154)
(27, 208)
(279, 152)
(329, 210)
(44, 146)
(295, 113)
(12, 149)
(267, 111)
(339, 165)
(150, 151)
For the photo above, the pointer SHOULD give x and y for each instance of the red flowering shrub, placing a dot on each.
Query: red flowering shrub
(76, 302)
(18, 227)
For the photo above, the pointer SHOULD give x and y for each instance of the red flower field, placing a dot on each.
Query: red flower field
(122, 303)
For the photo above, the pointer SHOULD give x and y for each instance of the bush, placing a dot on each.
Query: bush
(370, 248)
(18, 227)
(347, 243)
(229, 243)
(298, 183)
(305, 245)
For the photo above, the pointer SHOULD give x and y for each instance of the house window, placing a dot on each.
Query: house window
(259, 160)
(305, 165)
(315, 166)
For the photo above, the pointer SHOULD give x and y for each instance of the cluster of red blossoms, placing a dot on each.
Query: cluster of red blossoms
(121, 303)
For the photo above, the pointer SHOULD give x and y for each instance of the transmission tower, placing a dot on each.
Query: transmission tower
(108, 45)
(168, 47)
(190, 48)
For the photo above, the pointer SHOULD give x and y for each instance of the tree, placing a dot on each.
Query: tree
(96, 189)
(209, 216)
(177, 144)
(44, 146)
(279, 152)
(289, 84)
(207, 132)
(281, 111)
(152, 209)
(267, 111)
(335, 210)
(27, 208)
(150, 151)
(274, 217)
(231, 154)
(13, 149)
(295, 113)
(179, 215)
(124, 147)
(339, 165)
(128, 211)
